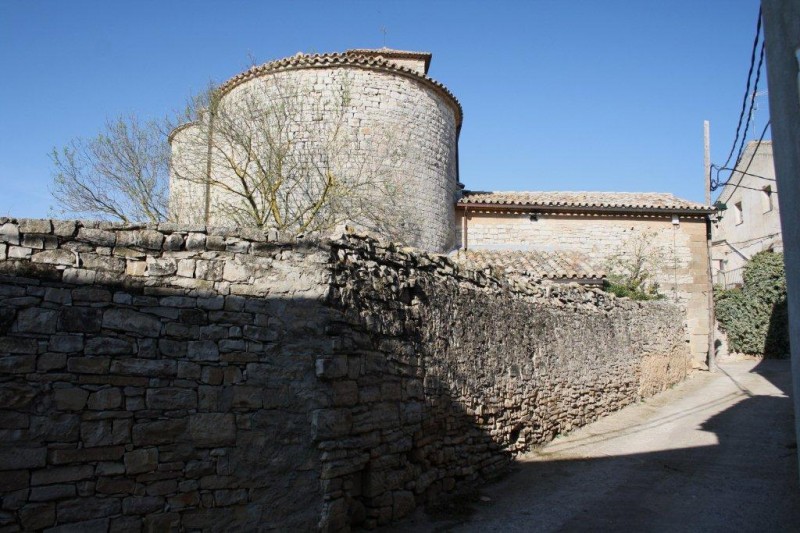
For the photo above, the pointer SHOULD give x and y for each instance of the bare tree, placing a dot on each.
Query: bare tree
(122, 174)
(288, 156)
(635, 265)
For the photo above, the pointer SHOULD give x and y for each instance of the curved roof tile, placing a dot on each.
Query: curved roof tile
(584, 199)
(354, 58)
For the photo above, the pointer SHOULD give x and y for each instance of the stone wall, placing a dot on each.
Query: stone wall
(192, 378)
(682, 250)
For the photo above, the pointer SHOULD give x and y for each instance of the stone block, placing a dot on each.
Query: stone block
(159, 432)
(142, 505)
(403, 503)
(104, 399)
(211, 430)
(145, 238)
(345, 393)
(20, 457)
(96, 433)
(163, 266)
(102, 263)
(52, 361)
(88, 365)
(13, 480)
(17, 345)
(17, 364)
(202, 351)
(186, 268)
(141, 460)
(86, 455)
(37, 516)
(55, 257)
(64, 228)
(331, 423)
(71, 399)
(99, 525)
(9, 233)
(115, 485)
(87, 508)
(173, 242)
(109, 346)
(331, 367)
(259, 334)
(97, 237)
(35, 225)
(196, 242)
(36, 320)
(61, 474)
(19, 252)
(80, 319)
(169, 398)
(50, 493)
(132, 321)
(79, 276)
(135, 268)
(144, 367)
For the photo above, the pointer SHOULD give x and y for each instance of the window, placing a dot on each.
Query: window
(766, 198)
(737, 213)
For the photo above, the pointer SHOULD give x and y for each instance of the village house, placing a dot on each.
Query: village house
(579, 236)
(749, 216)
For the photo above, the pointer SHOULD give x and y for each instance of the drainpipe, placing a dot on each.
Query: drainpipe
(712, 318)
(464, 228)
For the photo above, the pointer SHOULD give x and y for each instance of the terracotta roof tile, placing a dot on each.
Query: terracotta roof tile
(552, 265)
(357, 58)
(584, 199)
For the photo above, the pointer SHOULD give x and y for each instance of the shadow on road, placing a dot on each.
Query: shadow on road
(748, 481)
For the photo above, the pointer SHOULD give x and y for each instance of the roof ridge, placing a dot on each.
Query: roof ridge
(353, 57)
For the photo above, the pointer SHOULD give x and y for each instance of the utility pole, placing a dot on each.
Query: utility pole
(782, 46)
(707, 159)
(712, 319)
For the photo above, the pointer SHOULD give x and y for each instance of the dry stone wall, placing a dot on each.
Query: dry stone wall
(206, 379)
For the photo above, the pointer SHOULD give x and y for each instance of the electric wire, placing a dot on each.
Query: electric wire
(750, 162)
(747, 88)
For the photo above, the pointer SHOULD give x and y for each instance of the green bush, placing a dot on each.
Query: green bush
(632, 292)
(755, 317)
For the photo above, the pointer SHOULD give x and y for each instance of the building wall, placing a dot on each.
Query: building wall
(393, 127)
(175, 378)
(683, 271)
(737, 237)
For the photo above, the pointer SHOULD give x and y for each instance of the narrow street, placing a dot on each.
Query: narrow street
(715, 453)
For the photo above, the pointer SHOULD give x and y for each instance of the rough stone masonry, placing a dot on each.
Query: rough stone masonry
(194, 378)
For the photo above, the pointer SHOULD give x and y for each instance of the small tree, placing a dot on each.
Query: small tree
(122, 174)
(632, 269)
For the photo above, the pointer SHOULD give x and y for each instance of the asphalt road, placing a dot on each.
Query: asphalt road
(715, 453)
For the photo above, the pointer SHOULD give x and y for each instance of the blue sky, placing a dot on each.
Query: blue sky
(557, 95)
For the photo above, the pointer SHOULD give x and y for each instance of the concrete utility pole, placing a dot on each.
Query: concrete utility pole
(707, 159)
(782, 39)
(712, 319)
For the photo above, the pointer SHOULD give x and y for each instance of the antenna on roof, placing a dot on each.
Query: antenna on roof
(384, 31)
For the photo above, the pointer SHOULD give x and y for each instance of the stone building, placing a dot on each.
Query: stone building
(392, 104)
(370, 121)
(594, 228)
(750, 222)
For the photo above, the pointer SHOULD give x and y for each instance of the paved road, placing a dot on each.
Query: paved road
(715, 453)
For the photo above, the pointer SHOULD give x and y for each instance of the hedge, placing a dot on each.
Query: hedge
(755, 317)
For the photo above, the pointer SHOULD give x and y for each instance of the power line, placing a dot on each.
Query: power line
(752, 104)
(718, 169)
(750, 162)
(747, 88)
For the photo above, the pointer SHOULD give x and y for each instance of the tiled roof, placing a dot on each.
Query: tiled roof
(595, 200)
(352, 58)
(555, 265)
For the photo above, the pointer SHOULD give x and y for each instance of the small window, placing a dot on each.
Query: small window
(737, 213)
(766, 198)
